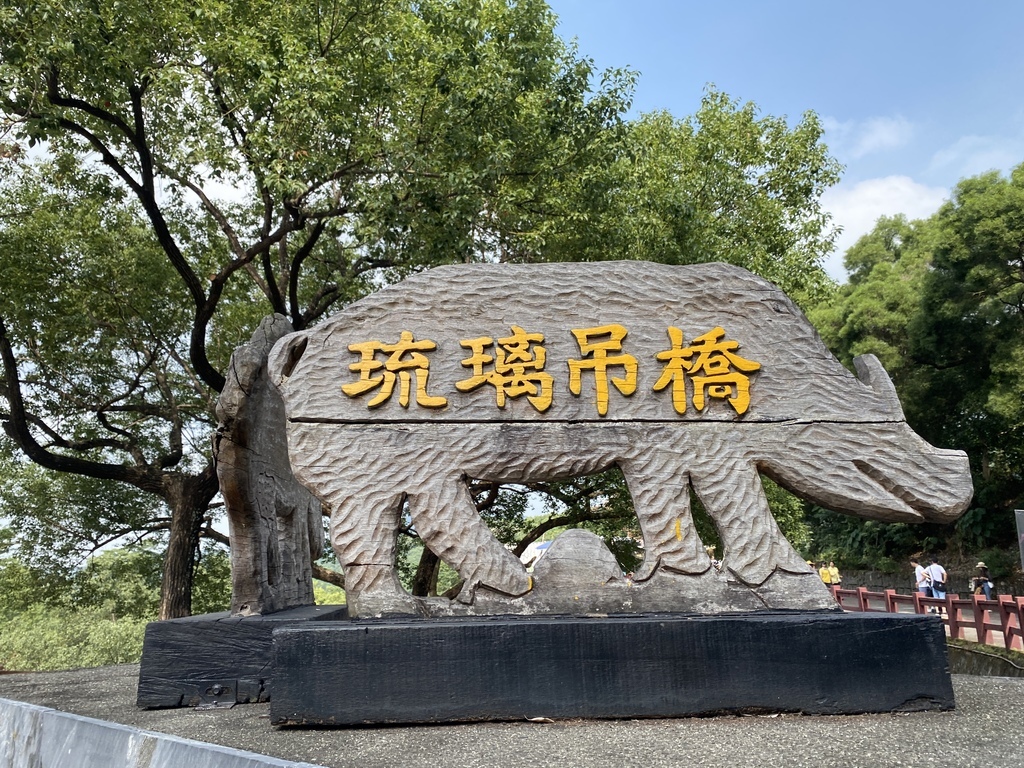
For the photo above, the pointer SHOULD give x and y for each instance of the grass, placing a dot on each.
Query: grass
(993, 650)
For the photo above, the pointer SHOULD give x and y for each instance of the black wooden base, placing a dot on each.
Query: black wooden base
(215, 657)
(388, 671)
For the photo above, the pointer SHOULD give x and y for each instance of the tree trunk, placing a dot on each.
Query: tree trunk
(425, 580)
(188, 497)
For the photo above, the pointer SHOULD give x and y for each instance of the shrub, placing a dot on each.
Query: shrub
(327, 594)
(96, 615)
(43, 638)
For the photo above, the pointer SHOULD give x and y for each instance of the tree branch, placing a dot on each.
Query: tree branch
(67, 102)
(326, 574)
(299, 322)
(16, 425)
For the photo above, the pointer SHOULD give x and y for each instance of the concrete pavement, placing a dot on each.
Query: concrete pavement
(985, 730)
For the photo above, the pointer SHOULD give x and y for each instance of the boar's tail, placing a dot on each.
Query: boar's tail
(871, 372)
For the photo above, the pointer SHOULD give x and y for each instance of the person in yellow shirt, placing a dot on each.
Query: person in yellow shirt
(834, 576)
(824, 573)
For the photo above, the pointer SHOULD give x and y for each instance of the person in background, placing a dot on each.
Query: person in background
(710, 549)
(834, 575)
(824, 574)
(938, 576)
(922, 583)
(982, 583)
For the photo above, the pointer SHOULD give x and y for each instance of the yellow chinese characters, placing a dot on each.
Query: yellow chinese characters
(405, 362)
(518, 368)
(713, 366)
(595, 344)
(710, 368)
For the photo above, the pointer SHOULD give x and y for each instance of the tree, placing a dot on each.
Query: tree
(940, 302)
(290, 157)
(970, 336)
(296, 154)
(724, 184)
(105, 393)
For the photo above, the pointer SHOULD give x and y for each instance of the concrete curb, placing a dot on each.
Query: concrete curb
(976, 661)
(38, 737)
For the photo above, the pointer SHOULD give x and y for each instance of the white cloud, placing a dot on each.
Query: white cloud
(855, 139)
(856, 208)
(971, 155)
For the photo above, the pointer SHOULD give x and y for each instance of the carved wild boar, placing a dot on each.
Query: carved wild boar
(699, 377)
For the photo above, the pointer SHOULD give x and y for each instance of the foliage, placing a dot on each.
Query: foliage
(45, 638)
(59, 518)
(598, 503)
(870, 314)
(722, 185)
(23, 587)
(60, 619)
(856, 543)
(123, 582)
(335, 129)
(204, 164)
(970, 336)
(327, 594)
(504, 509)
(93, 336)
(1002, 563)
(940, 302)
(212, 588)
(216, 162)
(789, 513)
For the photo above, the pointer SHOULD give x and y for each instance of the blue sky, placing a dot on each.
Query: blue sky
(914, 95)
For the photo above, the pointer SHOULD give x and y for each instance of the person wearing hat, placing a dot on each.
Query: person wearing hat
(982, 583)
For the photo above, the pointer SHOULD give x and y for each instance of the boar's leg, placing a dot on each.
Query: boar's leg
(364, 535)
(661, 498)
(753, 545)
(448, 522)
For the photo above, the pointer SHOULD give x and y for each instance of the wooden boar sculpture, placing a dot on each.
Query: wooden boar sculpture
(685, 377)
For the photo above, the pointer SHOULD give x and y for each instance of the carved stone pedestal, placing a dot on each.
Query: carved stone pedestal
(510, 668)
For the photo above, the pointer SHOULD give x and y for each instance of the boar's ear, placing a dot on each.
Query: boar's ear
(871, 372)
(285, 356)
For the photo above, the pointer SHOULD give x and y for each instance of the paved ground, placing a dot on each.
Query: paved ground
(985, 730)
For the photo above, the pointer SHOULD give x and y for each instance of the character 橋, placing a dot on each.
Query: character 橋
(699, 377)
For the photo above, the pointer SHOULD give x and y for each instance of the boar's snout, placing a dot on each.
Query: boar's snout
(882, 471)
(934, 483)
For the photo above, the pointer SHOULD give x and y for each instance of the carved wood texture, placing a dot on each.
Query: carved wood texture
(275, 524)
(810, 423)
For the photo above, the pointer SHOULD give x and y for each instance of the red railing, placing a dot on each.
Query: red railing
(1003, 616)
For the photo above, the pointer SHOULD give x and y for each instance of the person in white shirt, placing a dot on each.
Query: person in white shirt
(922, 582)
(938, 576)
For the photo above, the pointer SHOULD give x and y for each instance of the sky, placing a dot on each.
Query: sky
(913, 95)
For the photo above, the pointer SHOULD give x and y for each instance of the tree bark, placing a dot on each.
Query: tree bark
(425, 580)
(188, 497)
